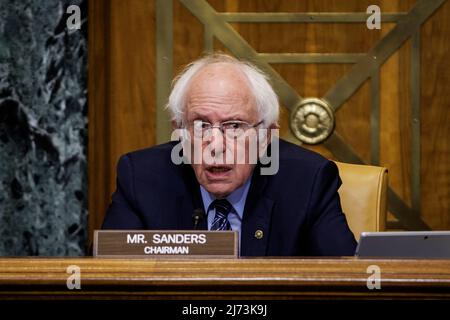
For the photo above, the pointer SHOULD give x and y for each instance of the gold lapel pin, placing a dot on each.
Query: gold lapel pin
(259, 234)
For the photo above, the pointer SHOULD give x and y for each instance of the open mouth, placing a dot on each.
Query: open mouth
(218, 169)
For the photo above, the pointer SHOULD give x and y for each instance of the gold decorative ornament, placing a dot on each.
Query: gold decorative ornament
(312, 120)
(259, 234)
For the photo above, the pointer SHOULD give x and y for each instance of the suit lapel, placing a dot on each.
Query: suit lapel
(256, 219)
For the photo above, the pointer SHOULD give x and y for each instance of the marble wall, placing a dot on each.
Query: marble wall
(43, 129)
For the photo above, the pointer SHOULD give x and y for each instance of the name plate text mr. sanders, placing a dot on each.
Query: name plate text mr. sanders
(163, 243)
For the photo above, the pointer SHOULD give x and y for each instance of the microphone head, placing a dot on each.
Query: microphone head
(197, 216)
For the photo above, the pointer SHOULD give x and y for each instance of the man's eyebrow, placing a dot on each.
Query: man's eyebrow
(195, 115)
(234, 119)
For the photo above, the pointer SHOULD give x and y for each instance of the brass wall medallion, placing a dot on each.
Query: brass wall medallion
(312, 120)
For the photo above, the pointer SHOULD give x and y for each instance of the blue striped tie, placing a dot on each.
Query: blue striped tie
(223, 208)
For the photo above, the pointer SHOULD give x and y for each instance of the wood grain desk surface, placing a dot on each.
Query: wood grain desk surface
(246, 278)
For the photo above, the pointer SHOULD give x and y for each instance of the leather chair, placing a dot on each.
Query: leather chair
(363, 196)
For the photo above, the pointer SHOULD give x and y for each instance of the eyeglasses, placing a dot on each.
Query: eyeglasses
(231, 129)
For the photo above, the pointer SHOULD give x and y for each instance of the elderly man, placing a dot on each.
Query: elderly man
(216, 100)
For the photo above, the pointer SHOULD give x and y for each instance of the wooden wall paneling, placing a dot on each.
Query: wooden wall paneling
(121, 91)
(394, 114)
(435, 119)
(395, 139)
(132, 78)
(98, 127)
(188, 37)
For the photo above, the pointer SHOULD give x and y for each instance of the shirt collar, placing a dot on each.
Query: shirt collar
(236, 198)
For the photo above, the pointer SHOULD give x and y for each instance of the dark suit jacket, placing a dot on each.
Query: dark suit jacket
(298, 209)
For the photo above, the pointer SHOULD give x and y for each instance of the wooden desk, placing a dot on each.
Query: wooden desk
(223, 279)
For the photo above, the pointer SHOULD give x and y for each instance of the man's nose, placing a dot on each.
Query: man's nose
(217, 141)
(216, 135)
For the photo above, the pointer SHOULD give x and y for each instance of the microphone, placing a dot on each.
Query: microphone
(197, 216)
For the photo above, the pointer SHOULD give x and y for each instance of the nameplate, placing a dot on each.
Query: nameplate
(165, 244)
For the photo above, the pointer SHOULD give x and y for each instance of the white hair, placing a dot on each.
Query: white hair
(263, 93)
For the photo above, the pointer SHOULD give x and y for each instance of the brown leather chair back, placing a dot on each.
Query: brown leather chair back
(363, 196)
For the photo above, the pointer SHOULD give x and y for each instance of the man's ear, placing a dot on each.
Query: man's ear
(175, 125)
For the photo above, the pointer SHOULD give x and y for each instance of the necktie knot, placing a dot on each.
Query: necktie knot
(223, 208)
